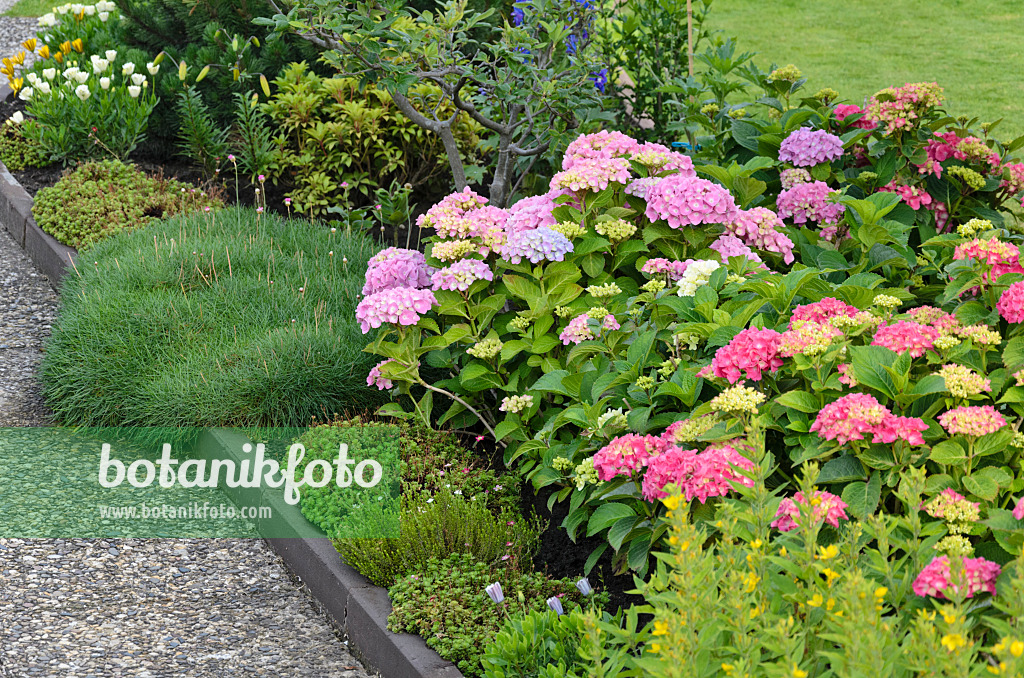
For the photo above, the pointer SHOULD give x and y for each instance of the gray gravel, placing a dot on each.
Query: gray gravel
(14, 30)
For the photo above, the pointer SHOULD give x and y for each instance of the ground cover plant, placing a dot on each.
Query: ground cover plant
(227, 318)
(862, 47)
(99, 199)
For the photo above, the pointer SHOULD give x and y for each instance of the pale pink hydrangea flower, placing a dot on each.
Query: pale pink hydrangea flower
(663, 159)
(460, 275)
(806, 337)
(751, 351)
(935, 317)
(401, 305)
(1015, 181)
(627, 454)
(906, 336)
(396, 267)
(794, 175)
(855, 415)
(951, 506)
(972, 420)
(992, 251)
(530, 213)
(728, 245)
(592, 175)
(1011, 303)
(640, 187)
(761, 228)
(603, 144)
(673, 269)
(845, 376)
(1018, 510)
(688, 201)
(578, 330)
(827, 507)
(375, 378)
(899, 108)
(978, 575)
(806, 147)
(446, 217)
(809, 202)
(488, 224)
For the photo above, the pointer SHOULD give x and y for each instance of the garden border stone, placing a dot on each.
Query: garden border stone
(51, 257)
(358, 607)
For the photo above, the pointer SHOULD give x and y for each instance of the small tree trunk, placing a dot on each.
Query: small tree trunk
(502, 173)
(451, 149)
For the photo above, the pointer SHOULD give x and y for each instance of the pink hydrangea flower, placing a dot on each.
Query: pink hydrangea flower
(674, 466)
(806, 147)
(752, 351)
(446, 217)
(603, 144)
(1011, 303)
(530, 213)
(640, 187)
(935, 317)
(823, 311)
(673, 269)
(947, 145)
(627, 454)
(396, 267)
(827, 507)
(913, 196)
(592, 175)
(761, 228)
(992, 251)
(809, 202)
(899, 108)
(978, 575)
(844, 111)
(806, 337)
(699, 476)
(729, 245)
(660, 158)
(972, 420)
(941, 212)
(895, 428)
(850, 418)
(688, 201)
(1018, 510)
(578, 330)
(460, 275)
(906, 336)
(845, 377)
(401, 305)
(375, 378)
(1014, 183)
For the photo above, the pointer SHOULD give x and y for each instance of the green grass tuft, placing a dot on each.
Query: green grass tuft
(30, 8)
(971, 48)
(161, 329)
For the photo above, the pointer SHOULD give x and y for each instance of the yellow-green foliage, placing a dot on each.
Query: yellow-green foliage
(18, 151)
(100, 199)
(336, 141)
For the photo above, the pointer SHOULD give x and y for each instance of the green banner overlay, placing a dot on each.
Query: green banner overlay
(173, 482)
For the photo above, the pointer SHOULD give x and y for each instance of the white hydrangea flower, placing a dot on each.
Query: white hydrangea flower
(696, 275)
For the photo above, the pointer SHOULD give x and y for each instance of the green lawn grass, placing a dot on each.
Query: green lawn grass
(30, 8)
(972, 48)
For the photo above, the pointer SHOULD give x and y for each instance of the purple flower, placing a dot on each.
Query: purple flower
(584, 586)
(600, 79)
(807, 147)
(401, 305)
(461, 274)
(395, 267)
(540, 244)
(555, 604)
(687, 201)
(495, 592)
(518, 16)
(809, 202)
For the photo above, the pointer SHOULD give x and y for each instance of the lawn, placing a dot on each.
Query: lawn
(30, 8)
(972, 48)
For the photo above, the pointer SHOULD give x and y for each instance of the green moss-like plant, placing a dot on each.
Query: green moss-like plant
(223, 319)
(100, 199)
(445, 603)
(18, 151)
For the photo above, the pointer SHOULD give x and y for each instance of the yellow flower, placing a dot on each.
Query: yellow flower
(65, 47)
(996, 670)
(19, 58)
(816, 600)
(728, 668)
(16, 84)
(672, 503)
(948, 617)
(798, 672)
(29, 44)
(77, 44)
(655, 647)
(755, 544)
(660, 628)
(750, 580)
(58, 57)
(830, 603)
(828, 552)
(881, 591)
(830, 575)
(44, 52)
(1017, 648)
(782, 552)
(953, 642)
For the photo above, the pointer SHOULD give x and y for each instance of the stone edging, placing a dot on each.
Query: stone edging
(358, 607)
(50, 257)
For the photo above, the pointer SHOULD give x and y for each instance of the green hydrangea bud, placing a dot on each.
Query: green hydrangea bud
(607, 290)
(486, 349)
(561, 464)
(564, 311)
(520, 323)
(598, 312)
(653, 286)
(568, 229)
(615, 230)
(788, 73)
(644, 382)
(972, 179)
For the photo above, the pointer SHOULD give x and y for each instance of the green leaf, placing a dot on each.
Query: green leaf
(948, 453)
(1013, 354)
(862, 497)
(594, 557)
(551, 383)
(621, 529)
(606, 514)
(869, 363)
(506, 427)
(801, 401)
(981, 486)
(841, 470)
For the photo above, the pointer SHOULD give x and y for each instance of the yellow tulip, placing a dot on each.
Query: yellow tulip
(65, 47)
(182, 71)
(59, 57)
(44, 52)
(77, 44)
(19, 58)
(29, 44)
(16, 84)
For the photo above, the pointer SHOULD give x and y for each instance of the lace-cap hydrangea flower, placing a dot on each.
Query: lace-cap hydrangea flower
(761, 228)
(827, 507)
(689, 201)
(806, 147)
(460, 275)
(972, 420)
(396, 267)
(627, 454)
(540, 244)
(906, 336)
(809, 202)
(401, 305)
(751, 351)
(1011, 303)
(375, 378)
(978, 575)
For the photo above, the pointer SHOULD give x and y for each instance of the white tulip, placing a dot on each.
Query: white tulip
(104, 16)
(25, 94)
(111, 54)
(134, 91)
(82, 92)
(152, 68)
(138, 79)
(32, 78)
(81, 77)
(128, 68)
(89, 10)
(43, 87)
(99, 65)
(47, 20)
(49, 73)
(105, 83)
(17, 118)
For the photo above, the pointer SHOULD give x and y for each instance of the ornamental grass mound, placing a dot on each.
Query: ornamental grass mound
(227, 318)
